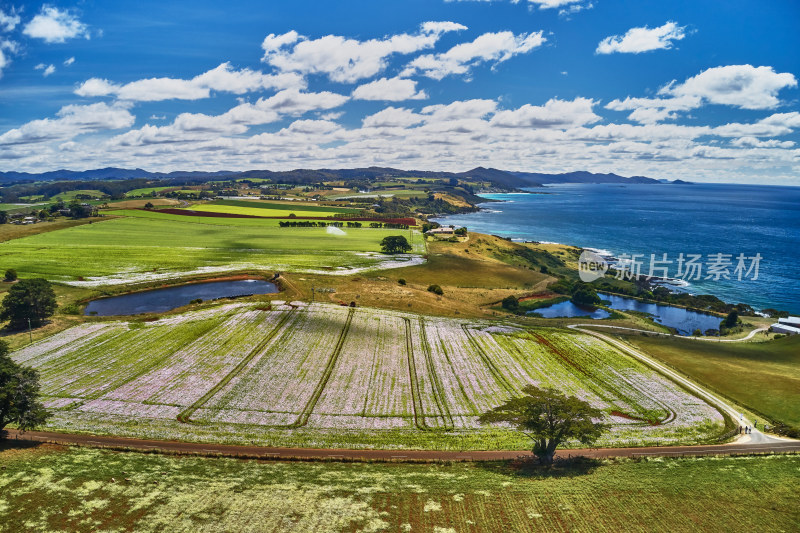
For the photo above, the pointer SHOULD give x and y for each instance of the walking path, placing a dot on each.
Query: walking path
(707, 339)
(756, 437)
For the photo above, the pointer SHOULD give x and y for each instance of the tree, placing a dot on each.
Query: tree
(730, 321)
(149, 205)
(395, 244)
(511, 303)
(28, 300)
(11, 275)
(549, 418)
(19, 393)
(584, 294)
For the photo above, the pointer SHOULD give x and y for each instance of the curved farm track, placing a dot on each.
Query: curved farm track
(259, 452)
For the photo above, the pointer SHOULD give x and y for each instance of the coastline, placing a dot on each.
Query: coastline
(674, 285)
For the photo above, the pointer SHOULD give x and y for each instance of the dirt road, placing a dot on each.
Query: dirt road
(386, 455)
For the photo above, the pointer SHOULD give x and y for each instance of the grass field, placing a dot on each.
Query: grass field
(138, 249)
(49, 489)
(341, 376)
(761, 376)
(146, 191)
(71, 195)
(272, 209)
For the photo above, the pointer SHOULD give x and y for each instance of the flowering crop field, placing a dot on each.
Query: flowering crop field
(327, 375)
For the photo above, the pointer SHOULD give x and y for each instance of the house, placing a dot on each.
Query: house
(785, 329)
(793, 321)
(444, 231)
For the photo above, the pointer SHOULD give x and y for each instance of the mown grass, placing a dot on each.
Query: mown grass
(761, 376)
(142, 245)
(146, 190)
(48, 489)
(283, 206)
(211, 221)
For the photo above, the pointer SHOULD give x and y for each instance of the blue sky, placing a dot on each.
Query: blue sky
(700, 90)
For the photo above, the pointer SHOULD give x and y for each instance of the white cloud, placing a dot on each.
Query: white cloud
(542, 4)
(4, 61)
(574, 8)
(497, 47)
(9, 21)
(637, 40)
(47, 69)
(459, 110)
(743, 86)
(237, 120)
(72, 120)
(55, 26)
(223, 78)
(554, 113)
(392, 117)
(393, 90)
(69, 61)
(6, 45)
(346, 60)
(752, 142)
(652, 110)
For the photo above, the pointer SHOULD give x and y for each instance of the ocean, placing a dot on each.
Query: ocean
(673, 219)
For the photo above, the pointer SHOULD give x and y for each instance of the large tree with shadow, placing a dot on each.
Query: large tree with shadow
(549, 418)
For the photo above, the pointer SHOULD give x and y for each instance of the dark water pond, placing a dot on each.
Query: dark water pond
(683, 320)
(570, 310)
(160, 300)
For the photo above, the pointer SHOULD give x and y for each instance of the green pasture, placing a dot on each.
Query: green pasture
(141, 246)
(71, 195)
(83, 489)
(272, 209)
(761, 376)
(146, 191)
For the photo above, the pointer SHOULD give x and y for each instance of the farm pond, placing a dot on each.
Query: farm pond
(160, 300)
(683, 320)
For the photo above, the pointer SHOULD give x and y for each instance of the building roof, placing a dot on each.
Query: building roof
(785, 328)
(792, 320)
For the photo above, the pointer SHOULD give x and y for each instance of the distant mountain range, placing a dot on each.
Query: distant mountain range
(500, 178)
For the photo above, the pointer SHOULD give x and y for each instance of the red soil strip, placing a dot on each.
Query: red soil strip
(260, 452)
(191, 213)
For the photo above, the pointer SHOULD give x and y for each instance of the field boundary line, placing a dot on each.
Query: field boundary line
(208, 325)
(726, 409)
(438, 389)
(416, 402)
(184, 416)
(302, 420)
(498, 376)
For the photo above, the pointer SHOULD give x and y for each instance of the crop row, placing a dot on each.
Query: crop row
(329, 368)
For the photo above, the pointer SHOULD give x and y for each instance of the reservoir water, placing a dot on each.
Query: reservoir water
(685, 321)
(160, 300)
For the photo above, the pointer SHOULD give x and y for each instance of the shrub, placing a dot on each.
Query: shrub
(435, 289)
(11, 275)
(401, 281)
(511, 303)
